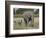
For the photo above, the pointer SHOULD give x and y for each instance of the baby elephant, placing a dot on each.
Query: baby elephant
(20, 22)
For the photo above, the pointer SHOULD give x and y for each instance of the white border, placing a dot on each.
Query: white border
(28, 30)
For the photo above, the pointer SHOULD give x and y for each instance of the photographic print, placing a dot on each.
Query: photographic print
(24, 19)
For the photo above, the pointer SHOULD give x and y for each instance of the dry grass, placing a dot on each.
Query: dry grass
(23, 26)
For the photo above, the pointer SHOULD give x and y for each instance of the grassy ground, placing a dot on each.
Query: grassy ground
(36, 22)
(23, 26)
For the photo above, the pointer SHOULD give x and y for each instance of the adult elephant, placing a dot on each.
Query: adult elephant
(27, 19)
